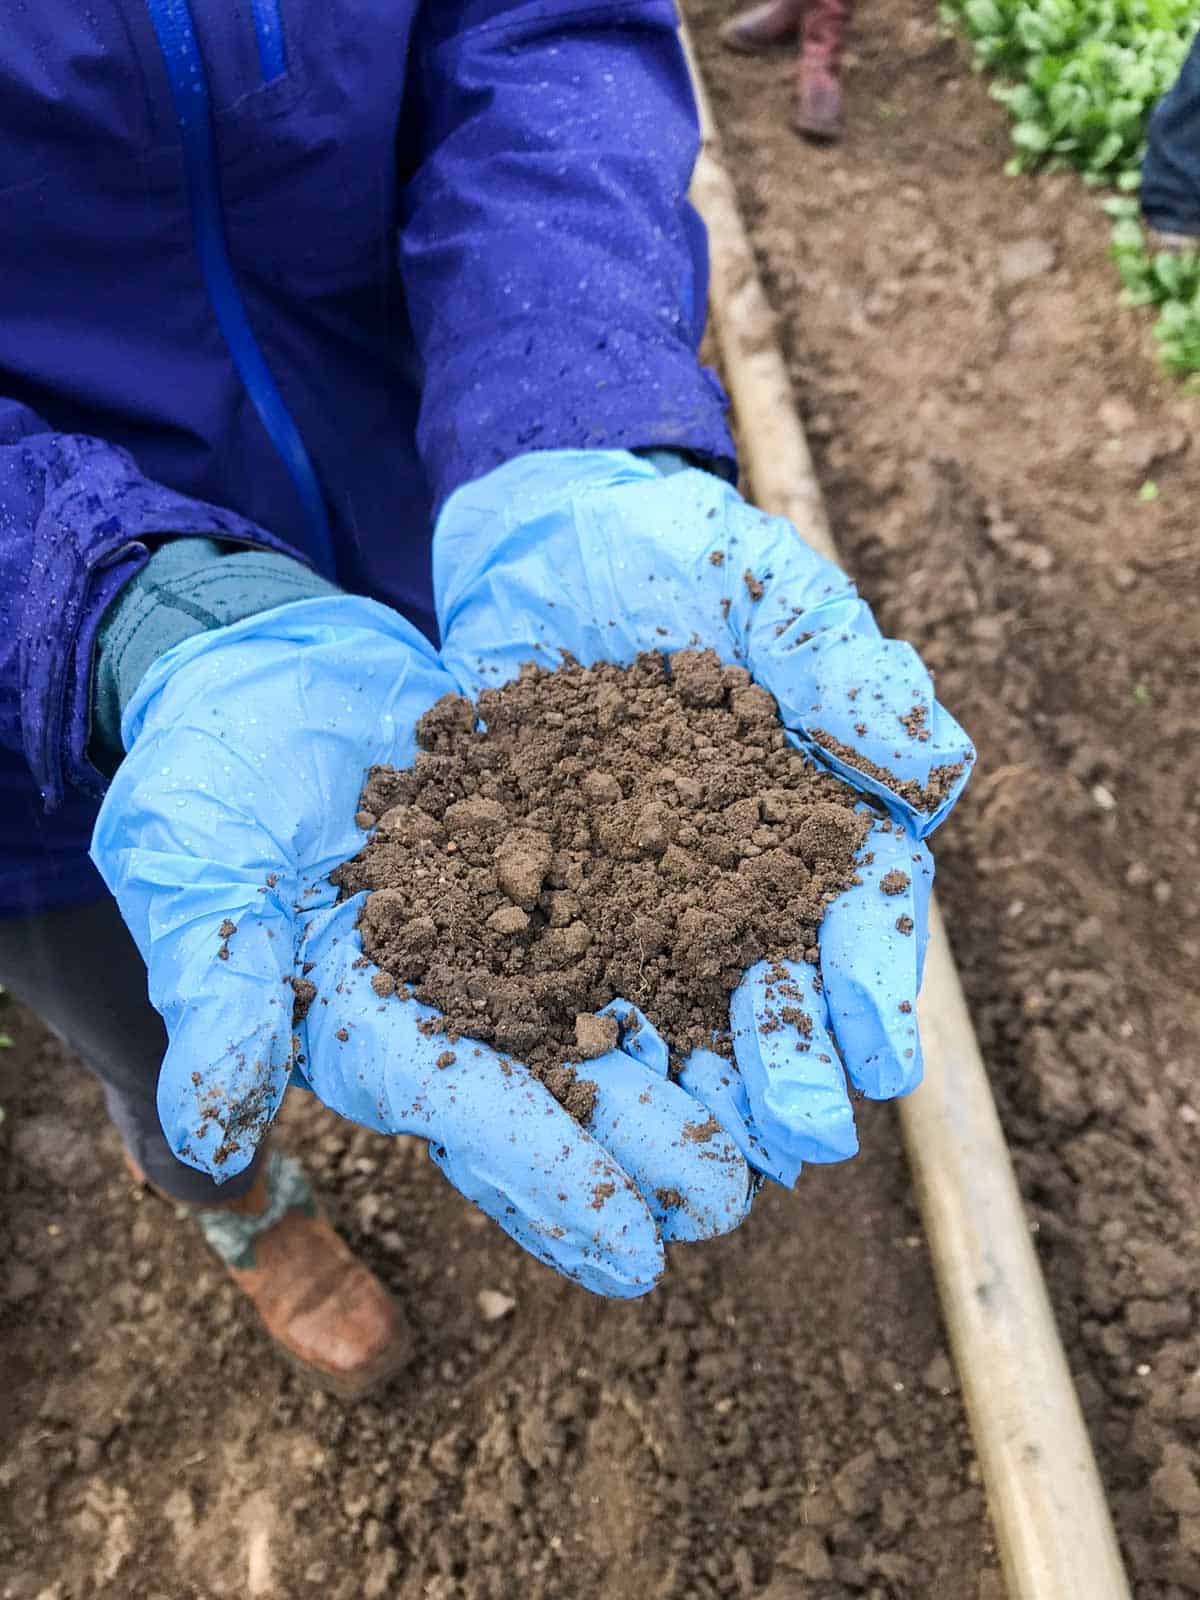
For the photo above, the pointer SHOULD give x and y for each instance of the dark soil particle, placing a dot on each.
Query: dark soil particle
(925, 797)
(894, 882)
(595, 1035)
(644, 832)
(913, 723)
(754, 586)
(701, 1132)
(304, 992)
(575, 1094)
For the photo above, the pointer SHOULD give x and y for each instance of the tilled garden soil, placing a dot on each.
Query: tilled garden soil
(779, 1421)
(983, 415)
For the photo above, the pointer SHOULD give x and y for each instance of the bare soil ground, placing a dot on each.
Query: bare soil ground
(748, 1430)
(984, 414)
(779, 1421)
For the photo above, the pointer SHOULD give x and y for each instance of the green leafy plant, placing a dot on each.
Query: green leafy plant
(1169, 279)
(1084, 75)
(1081, 80)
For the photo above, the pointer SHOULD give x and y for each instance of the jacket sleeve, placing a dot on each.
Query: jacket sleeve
(556, 274)
(75, 515)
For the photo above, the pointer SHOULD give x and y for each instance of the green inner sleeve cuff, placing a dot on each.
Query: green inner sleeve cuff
(188, 586)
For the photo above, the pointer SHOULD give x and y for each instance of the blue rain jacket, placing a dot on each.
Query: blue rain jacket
(289, 272)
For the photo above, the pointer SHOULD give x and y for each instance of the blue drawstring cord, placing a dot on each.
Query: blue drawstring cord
(173, 24)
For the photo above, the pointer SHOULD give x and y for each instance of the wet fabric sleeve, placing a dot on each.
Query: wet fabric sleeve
(1170, 194)
(188, 586)
(75, 518)
(555, 272)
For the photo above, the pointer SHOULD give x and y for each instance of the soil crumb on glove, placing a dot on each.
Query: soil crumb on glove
(644, 832)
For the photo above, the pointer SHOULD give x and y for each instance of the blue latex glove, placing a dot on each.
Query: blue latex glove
(599, 554)
(247, 748)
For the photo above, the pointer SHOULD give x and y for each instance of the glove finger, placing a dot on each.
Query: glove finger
(639, 1037)
(221, 986)
(872, 944)
(218, 945)
(229, 1060)
(794, 1080)
(687, 1167)
(496, 1133)
(865, 707)
(716, 1082)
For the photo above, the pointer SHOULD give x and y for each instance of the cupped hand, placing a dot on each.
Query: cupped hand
(246, 752)
(600, 555)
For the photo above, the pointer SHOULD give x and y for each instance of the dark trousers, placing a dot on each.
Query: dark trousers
(80, 971)
(1171, 169)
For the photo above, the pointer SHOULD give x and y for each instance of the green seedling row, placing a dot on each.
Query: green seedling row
(1081, 78)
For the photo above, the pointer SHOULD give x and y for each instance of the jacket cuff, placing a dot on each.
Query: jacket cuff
(188, 586)
(601, 399)
(95, 525)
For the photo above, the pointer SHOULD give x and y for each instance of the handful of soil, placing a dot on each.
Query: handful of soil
(644, 832)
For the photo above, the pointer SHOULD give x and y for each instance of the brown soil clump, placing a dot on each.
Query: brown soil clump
(922, 797)
(645, 832)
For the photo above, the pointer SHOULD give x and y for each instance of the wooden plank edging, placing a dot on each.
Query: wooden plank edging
(1047, 1504)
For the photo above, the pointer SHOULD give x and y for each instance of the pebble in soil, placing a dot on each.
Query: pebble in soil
(645, 832)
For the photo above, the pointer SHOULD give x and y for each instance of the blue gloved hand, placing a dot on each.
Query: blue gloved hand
(599, 554)
(247, 749)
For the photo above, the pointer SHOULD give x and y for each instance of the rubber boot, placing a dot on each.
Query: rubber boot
(817, 110)
(326, 1312)
(763, 27)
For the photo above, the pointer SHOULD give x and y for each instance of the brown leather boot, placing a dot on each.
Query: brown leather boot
(763, 27)
(326, 1312)
(817, 108)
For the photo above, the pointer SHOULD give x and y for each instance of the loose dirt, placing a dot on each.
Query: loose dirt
(758, 1427)
(644, 832)
(983, 413)
(778, 1421)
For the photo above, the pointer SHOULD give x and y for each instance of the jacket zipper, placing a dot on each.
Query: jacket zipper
(172, 21)
(268, 29)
